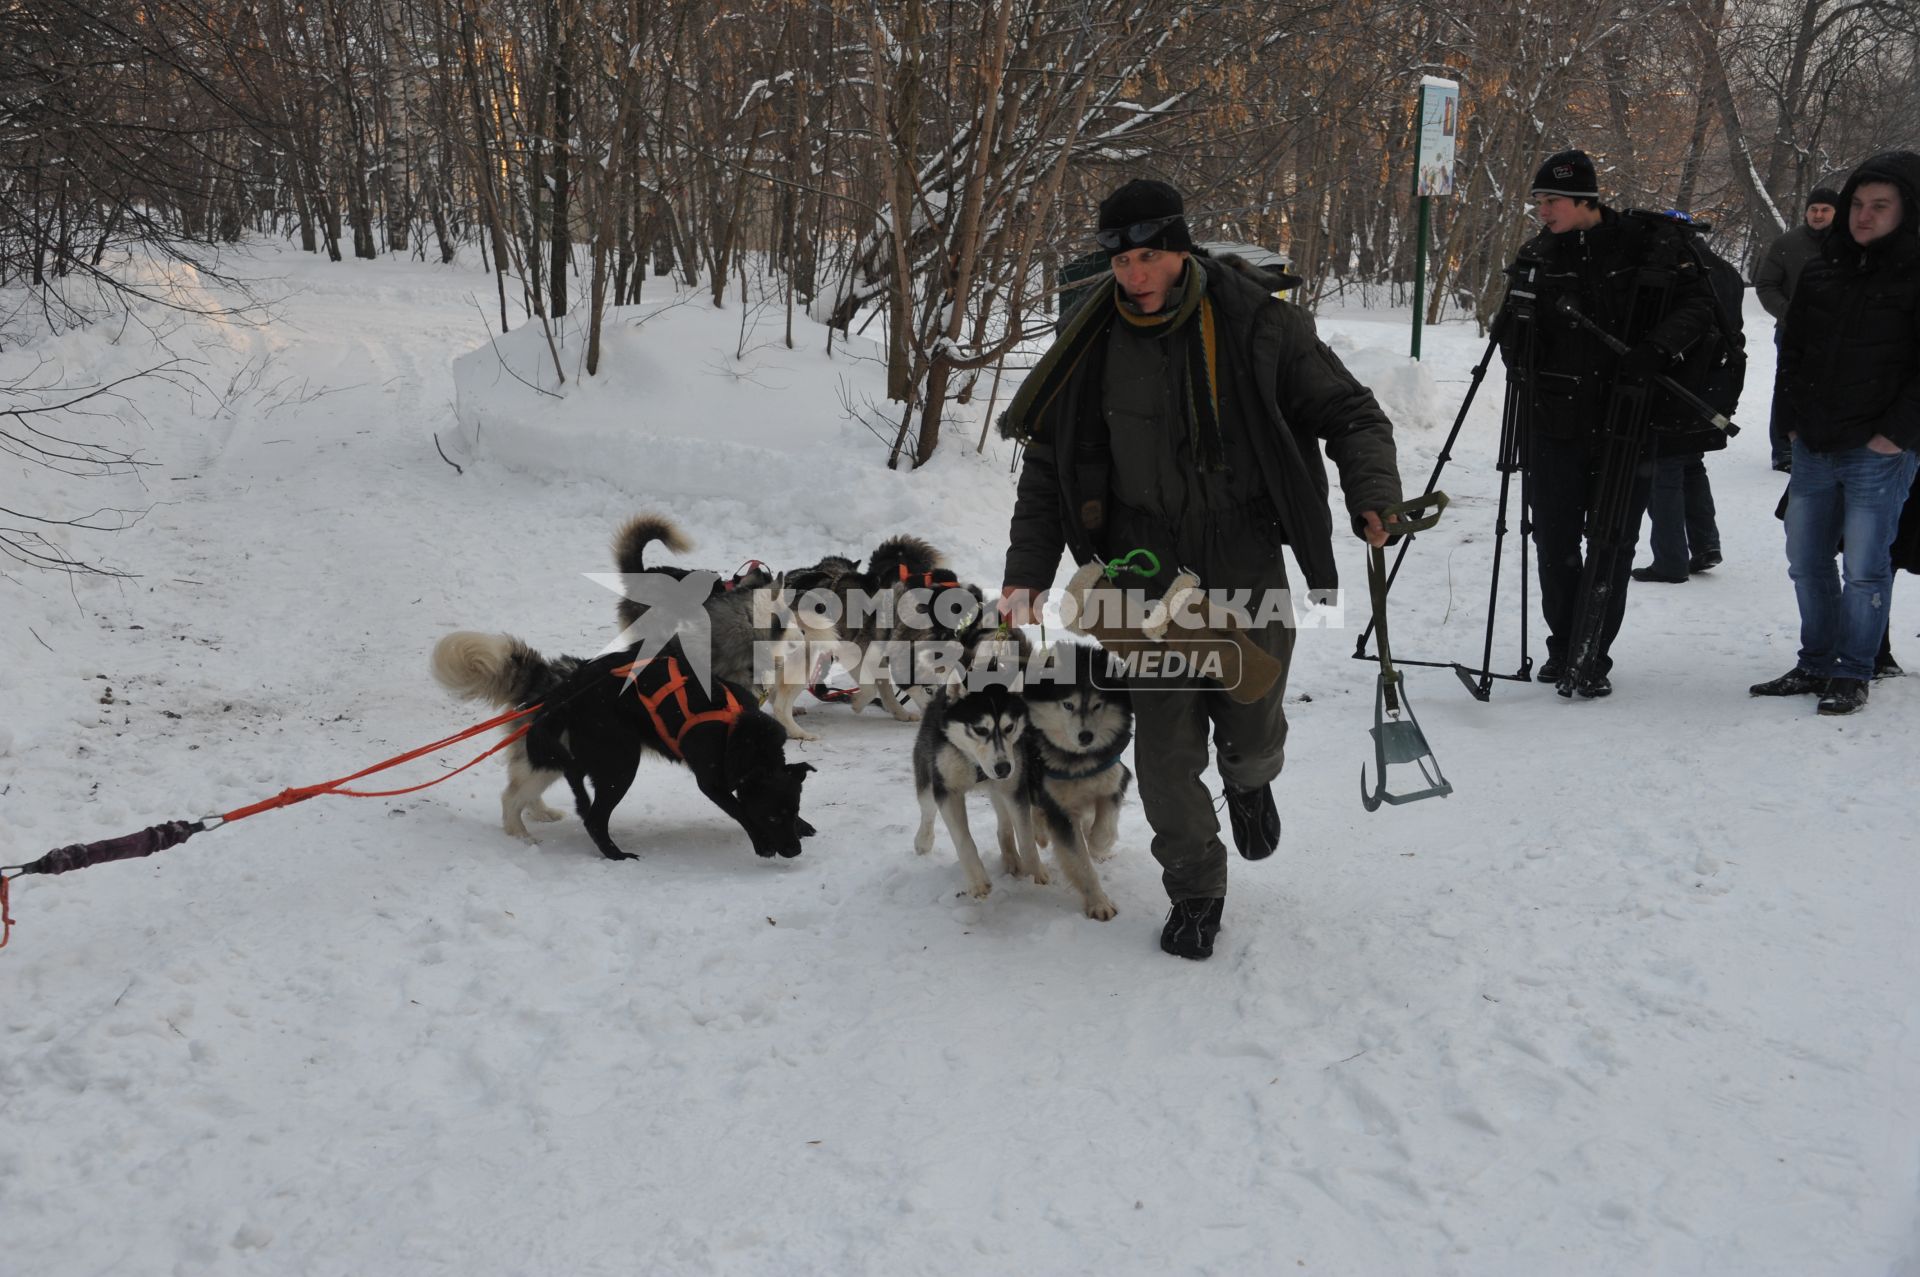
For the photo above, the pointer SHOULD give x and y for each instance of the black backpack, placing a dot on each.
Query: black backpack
(1715, 367)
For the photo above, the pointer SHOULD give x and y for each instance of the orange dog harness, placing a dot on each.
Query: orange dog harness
(675, 688)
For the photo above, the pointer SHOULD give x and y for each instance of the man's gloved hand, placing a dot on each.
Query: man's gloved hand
(1643, 362)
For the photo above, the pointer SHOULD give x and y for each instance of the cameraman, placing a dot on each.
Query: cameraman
(1636, 278)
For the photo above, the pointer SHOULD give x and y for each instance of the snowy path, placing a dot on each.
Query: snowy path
(1637, 999)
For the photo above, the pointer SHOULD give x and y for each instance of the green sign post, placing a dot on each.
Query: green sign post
(1436, 125)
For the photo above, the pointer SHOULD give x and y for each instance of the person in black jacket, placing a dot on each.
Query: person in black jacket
(1636, 278)
(1182, 410)
(1779, 274)
(1848, 389)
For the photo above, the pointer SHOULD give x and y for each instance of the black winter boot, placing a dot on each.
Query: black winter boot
(1795, 682)
(1255, 821)
(1191, 927)
(1844, 696)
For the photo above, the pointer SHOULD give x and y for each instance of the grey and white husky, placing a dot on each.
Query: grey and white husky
(866, 609)
(973, 738)
(1081, 722)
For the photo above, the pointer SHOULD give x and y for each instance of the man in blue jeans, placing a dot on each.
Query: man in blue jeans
(1848, 387)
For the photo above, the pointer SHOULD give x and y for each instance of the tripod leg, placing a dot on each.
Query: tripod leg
(1525, 670)
(1613, 517)
(1439, 464)
(1512, 445)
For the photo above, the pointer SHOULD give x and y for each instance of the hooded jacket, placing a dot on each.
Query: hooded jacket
(1280, 385)
(1850, 344)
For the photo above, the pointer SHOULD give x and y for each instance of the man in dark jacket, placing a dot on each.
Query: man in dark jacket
(1636, 278)
(1181, 411)
(1779, 274)
(1848, 390)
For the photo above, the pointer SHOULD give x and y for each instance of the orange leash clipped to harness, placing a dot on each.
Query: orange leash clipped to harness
(288, 797)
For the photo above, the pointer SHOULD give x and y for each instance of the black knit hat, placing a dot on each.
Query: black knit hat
(1569, 173)
(1143, 214)
(1823, 195)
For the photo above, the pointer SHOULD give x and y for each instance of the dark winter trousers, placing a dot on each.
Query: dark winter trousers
(1680, 514)
(1560, 484)
(1173, 728)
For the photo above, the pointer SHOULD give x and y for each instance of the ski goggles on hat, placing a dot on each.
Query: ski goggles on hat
(1119, 238)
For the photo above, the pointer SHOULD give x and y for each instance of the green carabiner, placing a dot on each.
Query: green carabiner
(1124, 562)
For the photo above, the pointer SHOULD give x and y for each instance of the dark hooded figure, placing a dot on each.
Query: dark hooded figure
(1779, 274)
(1848, 391)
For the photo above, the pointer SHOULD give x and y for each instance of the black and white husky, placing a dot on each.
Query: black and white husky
(1081, 722)
(973, 738)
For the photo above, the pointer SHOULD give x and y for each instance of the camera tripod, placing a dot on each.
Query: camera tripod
(1511, 460)
(1626, 441)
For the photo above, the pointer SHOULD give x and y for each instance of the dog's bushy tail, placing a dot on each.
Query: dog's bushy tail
(903, 551)
(636, 534)
(496, 668)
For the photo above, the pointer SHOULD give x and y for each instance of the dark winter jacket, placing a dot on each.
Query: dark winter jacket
(1281, 393)
(1779, 272)
(1906, 541)
(1850, 346)
(1570, 370)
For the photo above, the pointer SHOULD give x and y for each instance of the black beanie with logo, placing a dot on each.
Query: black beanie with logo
(1568, 173)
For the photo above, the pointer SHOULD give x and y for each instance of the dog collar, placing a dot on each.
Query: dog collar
(1106, 766)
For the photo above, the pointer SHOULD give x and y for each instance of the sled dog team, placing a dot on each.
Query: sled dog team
(1046, 751)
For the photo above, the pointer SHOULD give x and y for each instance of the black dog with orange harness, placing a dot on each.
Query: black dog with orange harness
(624, 708)
(596, 718)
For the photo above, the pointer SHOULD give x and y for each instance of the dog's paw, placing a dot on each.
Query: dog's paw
(923, 843)
(1101, 854)
(1100, 909)
(544, 812)
(619, 855)
(796, 732)
(980, 890)
(907, 715)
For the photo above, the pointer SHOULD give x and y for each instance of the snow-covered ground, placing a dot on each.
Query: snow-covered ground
(1636, 999)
